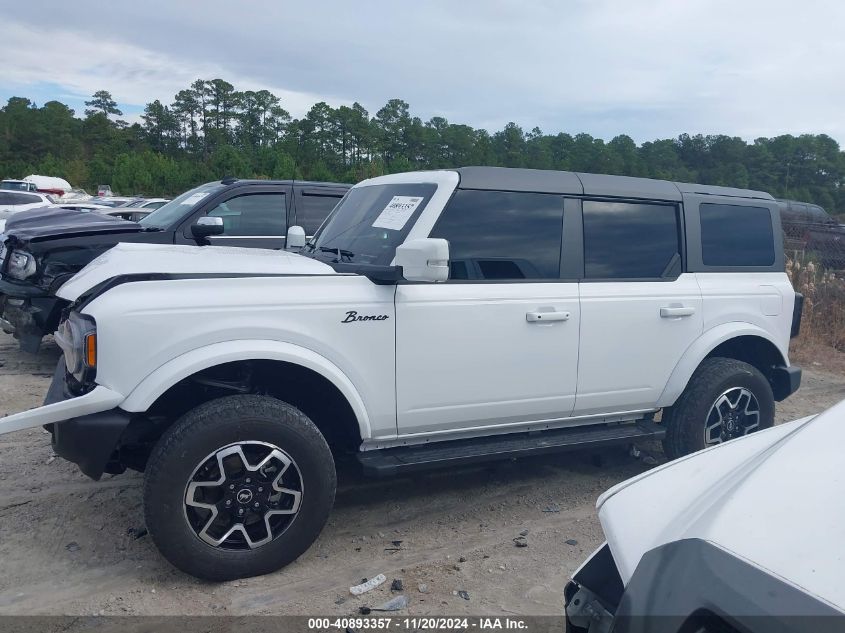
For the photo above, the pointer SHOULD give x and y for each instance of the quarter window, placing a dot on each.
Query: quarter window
(736, 235)
(502, 235)
(253, 215)
(626, 240)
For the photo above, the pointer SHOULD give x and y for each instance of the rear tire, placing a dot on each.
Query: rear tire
(724, 399)
(246, 454)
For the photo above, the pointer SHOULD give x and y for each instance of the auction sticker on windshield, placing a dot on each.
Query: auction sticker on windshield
(193, 199)
(396, 213)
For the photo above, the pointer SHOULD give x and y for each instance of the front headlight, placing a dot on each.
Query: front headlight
(77, 336)
(21, 265)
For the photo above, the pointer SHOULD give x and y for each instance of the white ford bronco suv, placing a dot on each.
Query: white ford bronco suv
(435, 318)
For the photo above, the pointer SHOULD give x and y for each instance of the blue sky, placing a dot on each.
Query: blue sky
(648, 68)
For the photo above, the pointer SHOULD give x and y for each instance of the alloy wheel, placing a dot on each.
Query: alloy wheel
(735, 413)
(243, 495)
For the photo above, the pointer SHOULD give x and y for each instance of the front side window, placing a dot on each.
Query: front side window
(257, 214)
(174, 211)
(369, 223)
(502, 235)
(631, 240)
(736, 235)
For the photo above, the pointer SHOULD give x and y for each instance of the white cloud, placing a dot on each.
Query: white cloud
(82, 63)
(649, 68)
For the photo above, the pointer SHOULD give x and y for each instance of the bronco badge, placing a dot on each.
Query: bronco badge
(352, 317)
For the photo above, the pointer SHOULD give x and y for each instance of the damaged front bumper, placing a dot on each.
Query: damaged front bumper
(28, 312)
(592, 597)
(85, 428)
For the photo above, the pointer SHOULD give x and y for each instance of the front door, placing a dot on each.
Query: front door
(253, 216)
(497, 344)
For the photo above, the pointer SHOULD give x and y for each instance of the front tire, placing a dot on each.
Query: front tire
(725, 398)
(239, 486)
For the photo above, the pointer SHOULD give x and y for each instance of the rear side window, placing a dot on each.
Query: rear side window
(502, 235)
(314, 207)
(625, 240)
(736, 235)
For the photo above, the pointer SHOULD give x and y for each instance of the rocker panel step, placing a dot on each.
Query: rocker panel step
(392, 461)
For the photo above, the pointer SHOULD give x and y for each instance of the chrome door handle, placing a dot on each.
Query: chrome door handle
(545, 317)
(674, 312)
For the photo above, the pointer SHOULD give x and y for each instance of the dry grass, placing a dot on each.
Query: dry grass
(823, 322)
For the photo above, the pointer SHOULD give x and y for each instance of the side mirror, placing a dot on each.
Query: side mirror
(295, 238)
(207, 226)
(425, 259)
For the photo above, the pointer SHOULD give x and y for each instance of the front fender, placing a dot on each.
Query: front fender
(699, 350)
(155, 384)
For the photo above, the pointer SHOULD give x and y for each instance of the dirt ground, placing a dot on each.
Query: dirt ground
(72, 546)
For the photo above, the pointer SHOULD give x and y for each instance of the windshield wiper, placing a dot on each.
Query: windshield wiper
(339, 252)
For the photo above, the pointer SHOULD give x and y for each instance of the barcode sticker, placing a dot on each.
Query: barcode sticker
(395, 215)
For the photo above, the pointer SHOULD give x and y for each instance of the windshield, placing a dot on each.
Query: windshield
(176, 209)
(369, 223)
(14, 186)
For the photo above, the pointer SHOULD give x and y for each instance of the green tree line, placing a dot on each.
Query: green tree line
(211, 130)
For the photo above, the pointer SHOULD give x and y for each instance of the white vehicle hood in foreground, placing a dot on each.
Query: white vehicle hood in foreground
(773, 498)
(129, 259)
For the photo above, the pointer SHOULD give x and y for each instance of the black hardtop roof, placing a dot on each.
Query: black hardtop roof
(577, 183)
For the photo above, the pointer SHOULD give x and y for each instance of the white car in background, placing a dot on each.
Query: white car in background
(15, 201)
(745, 536)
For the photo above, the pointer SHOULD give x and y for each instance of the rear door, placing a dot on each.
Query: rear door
(639, 310)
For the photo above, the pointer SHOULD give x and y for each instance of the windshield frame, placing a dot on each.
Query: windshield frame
(171, 214)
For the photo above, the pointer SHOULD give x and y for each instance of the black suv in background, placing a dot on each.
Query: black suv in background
(43, 248)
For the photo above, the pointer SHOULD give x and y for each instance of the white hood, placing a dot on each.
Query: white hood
(773, 498)
(128, 259)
